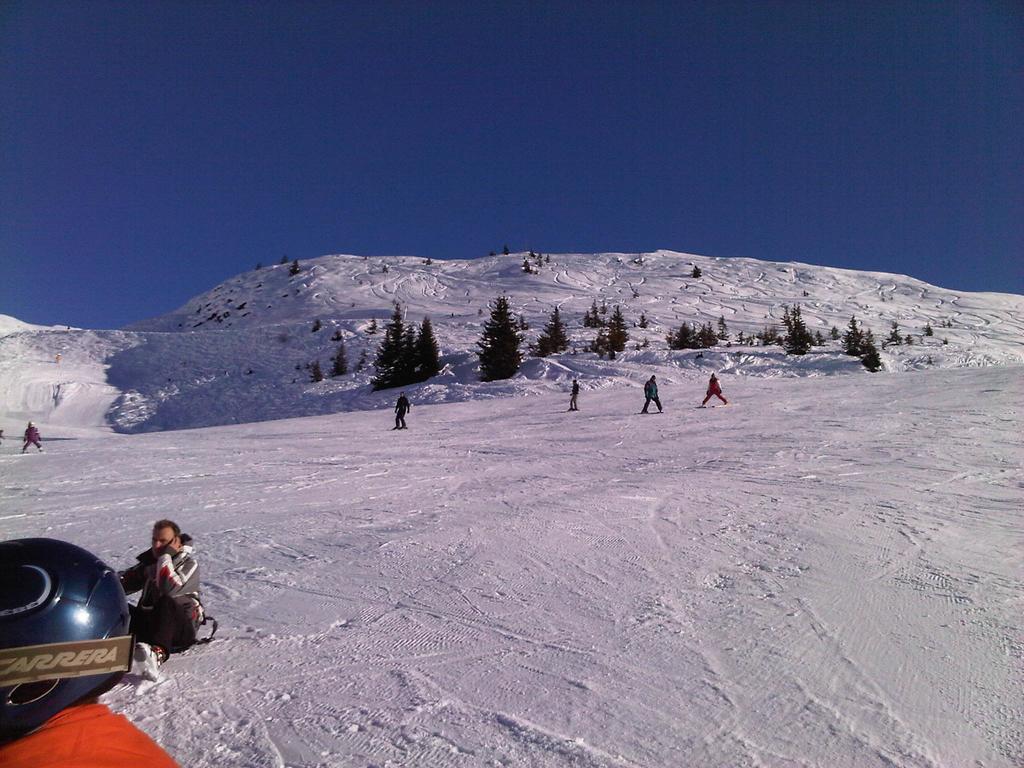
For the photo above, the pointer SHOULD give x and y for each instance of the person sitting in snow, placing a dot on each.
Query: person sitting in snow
(714, 390)
(32, 438)
(402, 407)
(169, 611)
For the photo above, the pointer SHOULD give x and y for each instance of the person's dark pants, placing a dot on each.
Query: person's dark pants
(572, 403)
(650, 400)
(167, 624)
(400, 420)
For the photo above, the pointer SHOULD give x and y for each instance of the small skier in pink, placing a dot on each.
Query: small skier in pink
(32, 437)
(714, 390)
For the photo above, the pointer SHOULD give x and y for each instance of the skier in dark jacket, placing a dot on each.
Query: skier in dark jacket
(169, 611)
(651, 394)
(402, 407)
(573, 406)
(31, 437)
(714, 390)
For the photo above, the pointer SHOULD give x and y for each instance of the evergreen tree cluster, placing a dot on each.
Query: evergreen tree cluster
(858, 342)
(769, 335)
(594, 317)
(692, 337)
(612, 336)
(406, 356)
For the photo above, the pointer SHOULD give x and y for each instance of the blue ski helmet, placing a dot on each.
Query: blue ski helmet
(54, 593)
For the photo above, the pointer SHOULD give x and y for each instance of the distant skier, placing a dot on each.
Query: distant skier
(714, 390)
(1, 437)
(32, 438)
(573, 406)
(57, 358)
(402, 407)
(651, 394)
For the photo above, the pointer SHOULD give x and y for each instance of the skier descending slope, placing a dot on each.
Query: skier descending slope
(714, 390)
(64, 641)
(651, 394)
(32, 438)
(574, 396)
(402, 407)
(170, 611)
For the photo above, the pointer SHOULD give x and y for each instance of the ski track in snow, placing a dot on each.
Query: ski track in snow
(827, 573)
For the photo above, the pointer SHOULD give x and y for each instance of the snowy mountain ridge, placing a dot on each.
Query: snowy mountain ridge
(239, 352)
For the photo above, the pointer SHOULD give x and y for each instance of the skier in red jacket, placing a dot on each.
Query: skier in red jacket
(714, 390)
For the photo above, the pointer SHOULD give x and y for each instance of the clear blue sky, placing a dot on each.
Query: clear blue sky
(149, 150)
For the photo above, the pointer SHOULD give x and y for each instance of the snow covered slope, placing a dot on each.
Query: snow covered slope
(239, 352)
(825, 574)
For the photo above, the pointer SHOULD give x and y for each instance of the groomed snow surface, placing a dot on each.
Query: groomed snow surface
(825, 573)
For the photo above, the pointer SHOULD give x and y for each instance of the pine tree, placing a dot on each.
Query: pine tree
(798, 339)
(389, 362)
(928, 331)
(527, 268)
(294, 268)
(617, 333)
(894, 334)
(552, 339)
(853, 339)
(643, 320)
(372, 327)
(683, 338)
(406, 372)
(834, 334)
(505, 251)
(499, 344)
(600, 344)
(317, 325)
(723, 330)
(592, 319)
(770, 335)
(339, 363)
(315, 372)
(696, 272)
(361, 363)
(706, 336)
(428, 360)
(869, 353)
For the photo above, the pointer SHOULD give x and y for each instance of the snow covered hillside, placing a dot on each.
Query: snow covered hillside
(826, 573)
(239, 353)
